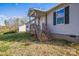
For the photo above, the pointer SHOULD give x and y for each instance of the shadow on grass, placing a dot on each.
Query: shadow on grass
(56, 42)
(15, 37)
(19, 37)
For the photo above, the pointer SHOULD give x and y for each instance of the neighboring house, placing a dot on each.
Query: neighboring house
(22, 28)
(26, 26)
(62, 20)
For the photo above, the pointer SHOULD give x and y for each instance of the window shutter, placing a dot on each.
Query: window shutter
(67, 15)
(54, 18)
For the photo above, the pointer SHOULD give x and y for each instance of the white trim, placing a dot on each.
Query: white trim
(32, 12)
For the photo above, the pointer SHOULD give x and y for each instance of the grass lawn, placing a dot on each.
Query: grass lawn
(23, 44)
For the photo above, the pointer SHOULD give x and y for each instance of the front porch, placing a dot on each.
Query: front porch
(39, 28)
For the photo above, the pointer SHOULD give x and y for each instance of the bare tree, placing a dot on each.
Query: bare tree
(23, 20)
(6, 22)
(16, 23)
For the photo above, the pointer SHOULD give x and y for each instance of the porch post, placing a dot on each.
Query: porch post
(35, 18)
(46, 19)
(29, 24)
(38, 21)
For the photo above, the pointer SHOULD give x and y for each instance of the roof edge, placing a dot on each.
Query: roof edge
(55, 7)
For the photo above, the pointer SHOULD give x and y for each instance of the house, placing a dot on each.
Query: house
(22, 28)
(62, 20)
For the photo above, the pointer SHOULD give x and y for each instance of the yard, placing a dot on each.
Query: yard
(23, 44)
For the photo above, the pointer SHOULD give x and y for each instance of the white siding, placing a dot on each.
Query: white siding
(22, 28)
(42, 20)
(72, 28)
(37, 21)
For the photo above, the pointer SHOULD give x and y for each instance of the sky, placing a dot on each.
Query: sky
(20, 9)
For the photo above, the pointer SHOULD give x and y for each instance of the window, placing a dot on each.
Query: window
(60, 16)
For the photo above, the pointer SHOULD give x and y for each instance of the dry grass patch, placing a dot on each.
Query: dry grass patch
(23, 44)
